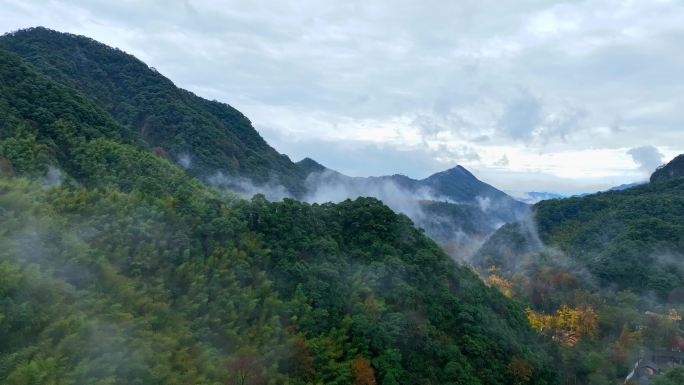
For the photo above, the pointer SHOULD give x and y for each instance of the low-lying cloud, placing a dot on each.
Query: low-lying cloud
(648, 158)
(272, 190)
(460, 227)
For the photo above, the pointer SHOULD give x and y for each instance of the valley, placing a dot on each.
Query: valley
(152, 236)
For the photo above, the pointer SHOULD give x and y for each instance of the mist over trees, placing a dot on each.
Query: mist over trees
(615, 259)
(126, 257)
(119, 266)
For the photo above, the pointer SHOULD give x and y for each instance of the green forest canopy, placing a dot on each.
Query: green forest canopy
(119, 267)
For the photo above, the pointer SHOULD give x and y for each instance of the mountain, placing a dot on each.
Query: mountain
(456, 184)
(625, 186)
(308, 166)
(218, 144)
(207, 137)
(614, 258)
(533, 197)
(459, 185)
(118, 266)
(620, 236)
(673, 169)
(453, 207)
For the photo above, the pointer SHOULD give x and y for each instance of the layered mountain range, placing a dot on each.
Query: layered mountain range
(218, 144)
(603, 275)
(132, 251)
(453, 207)
(121, 264)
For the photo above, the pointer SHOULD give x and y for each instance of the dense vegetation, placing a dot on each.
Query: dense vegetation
(213, 140)
(616, 254)
(119, 267)
(210, 136)
(453, 207)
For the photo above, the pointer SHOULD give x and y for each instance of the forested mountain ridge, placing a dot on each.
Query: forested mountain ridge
(603, 275)
(210, 136)
(453, 207)
(622, 237)
(119, 267)
(455, 184)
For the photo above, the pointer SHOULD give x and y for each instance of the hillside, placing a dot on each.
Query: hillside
(453, 207)
(626, 238)
(119, 267)
(206, 136)
(615, 256)
(673, 169)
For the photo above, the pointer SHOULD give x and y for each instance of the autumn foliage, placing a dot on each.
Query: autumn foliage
(567, 325)
(363, 372)
(505, 286)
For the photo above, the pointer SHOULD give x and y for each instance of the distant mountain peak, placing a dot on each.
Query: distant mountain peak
(625, 186)
(308, 165)
(456, 170)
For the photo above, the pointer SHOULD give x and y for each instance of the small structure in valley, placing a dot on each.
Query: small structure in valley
(643, 373)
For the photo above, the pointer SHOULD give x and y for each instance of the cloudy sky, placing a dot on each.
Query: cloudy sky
(563, 96)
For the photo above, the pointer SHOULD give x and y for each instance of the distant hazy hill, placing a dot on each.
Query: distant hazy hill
(456, 184)
(625, 186)
(533, 197)
(117, 266)
(453, 206)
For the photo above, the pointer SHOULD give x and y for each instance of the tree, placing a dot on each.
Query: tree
(520, 370)
(673, 377)
(245, 369)
(363, 372)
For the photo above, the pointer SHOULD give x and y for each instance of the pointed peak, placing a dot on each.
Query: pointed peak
(309, 165)
(458, 170)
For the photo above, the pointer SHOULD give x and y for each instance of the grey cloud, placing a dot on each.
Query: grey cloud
(357, 158)
(521, 117)
(648, 158)
(456, 154)
(563, 123)
(432, 125)
(502, 162)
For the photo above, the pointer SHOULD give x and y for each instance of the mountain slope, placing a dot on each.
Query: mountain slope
(460, 185)
(218, 144)
(456, 184)
(673, 169)
(612, 260)
(125, 269)
(209, 136)
(624, 238)
(454, 207)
